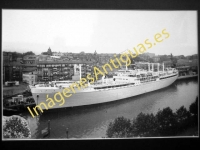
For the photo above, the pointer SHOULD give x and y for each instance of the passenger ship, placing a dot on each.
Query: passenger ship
(126, 83)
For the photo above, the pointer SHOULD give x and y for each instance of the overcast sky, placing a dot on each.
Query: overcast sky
(106, 31)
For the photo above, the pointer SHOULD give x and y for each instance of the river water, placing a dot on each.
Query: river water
(92, 121)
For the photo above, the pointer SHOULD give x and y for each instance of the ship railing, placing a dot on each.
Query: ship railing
(148, 79)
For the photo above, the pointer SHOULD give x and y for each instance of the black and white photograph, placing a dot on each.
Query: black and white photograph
(99, 74)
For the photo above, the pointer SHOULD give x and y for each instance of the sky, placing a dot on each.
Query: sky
(106, 31)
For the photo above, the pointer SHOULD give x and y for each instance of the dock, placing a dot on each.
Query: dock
(18, 103)
(187, 76)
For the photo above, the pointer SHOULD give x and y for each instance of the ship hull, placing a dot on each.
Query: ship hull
(81, 98)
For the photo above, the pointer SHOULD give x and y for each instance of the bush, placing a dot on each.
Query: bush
(16, 127)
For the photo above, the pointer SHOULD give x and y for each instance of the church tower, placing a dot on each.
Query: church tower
(95, 53)
(96, 57)
(49, 51)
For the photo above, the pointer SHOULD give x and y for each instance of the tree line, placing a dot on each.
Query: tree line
(164, 123)
(16, 55)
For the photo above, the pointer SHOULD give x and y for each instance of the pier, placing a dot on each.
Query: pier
(187, 76)
(16, 99)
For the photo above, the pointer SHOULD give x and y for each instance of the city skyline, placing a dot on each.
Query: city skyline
(106, 31)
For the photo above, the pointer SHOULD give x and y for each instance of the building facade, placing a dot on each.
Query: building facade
(13, 69)
(29, 78)
(61, 70)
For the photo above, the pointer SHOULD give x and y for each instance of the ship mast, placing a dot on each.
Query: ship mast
(152, 67)
(163, 67)
(126, 65)
(80, 70)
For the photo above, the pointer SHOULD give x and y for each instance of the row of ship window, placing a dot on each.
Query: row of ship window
(153, 78)
(113, 86)
(59, 65)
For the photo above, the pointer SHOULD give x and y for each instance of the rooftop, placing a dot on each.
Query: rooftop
(66, 62)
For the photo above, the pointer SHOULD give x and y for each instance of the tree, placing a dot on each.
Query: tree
(163, 58)
(166, 122)
(173, 60)
(138, 58)
(121, 127)
(194, 107)
(44, 53)
(183, 119)
(16, 127)
(28, 53)
(194, 111)
(16, 55)
(145, 125)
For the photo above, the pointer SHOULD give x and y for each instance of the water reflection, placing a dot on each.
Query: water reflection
(92, 121)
